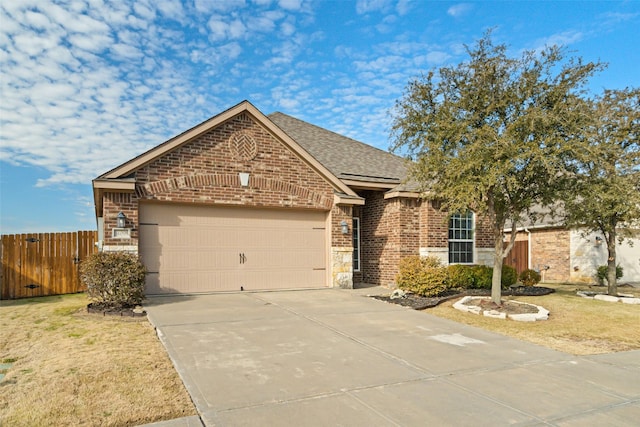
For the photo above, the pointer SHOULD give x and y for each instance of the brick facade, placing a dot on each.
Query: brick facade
(434, 225)
(550, 248)
(114, 203)
(208, 169)
(389, 231)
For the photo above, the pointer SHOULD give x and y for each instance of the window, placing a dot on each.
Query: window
(461, 238)
(356, 244)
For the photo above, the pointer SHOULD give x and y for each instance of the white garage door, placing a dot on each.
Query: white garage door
(203, 249)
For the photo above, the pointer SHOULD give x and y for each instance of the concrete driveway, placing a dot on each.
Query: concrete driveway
(335, 357)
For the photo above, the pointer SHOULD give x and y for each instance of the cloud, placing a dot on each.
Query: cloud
(366, 6)
(171, 9)
(223, 30)
(564, 38)
(615, 18)
(403, 7)
(290, 4)
(208, 6)
(459, 9)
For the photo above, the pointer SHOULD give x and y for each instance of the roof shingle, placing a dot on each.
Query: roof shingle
(346, 158)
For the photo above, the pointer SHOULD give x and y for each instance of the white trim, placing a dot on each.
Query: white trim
(472, 230)
(357, 250)
(121, 233)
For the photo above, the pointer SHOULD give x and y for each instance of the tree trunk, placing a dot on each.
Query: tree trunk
(496, 281)
(612, 288)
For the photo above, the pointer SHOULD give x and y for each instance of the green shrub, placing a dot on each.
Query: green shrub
(422, 276)
(602, 271)
(113, 279)
(461, 276)
(530, 277)
(482, 276)
(509, 276)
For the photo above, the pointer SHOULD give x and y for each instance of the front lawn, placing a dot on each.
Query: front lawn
(71, 368)
(576, 325)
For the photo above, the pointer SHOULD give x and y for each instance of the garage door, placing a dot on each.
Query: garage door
(203, 249)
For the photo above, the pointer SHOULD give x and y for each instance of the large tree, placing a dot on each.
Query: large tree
(493, 134)
(605, 196)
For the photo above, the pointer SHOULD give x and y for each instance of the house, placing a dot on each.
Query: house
(564, 255)
(248, 201)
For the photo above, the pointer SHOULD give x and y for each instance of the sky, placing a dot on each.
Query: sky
(87, 85)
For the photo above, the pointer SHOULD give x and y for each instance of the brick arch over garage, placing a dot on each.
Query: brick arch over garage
(284, 192)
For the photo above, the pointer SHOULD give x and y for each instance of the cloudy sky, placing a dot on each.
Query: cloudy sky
(88, 84)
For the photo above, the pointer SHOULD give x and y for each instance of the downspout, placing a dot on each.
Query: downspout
(528, 247)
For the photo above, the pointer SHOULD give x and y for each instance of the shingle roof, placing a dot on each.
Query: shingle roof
(346, 158)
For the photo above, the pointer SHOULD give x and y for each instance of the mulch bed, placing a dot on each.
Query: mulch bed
(420, 303)
(128, 311)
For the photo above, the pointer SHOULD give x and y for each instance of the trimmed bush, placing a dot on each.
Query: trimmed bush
(482, 276)
(461, 276)
(509, 276)
(530, 277)
(601, 274)
(113, 279)
(422, 276)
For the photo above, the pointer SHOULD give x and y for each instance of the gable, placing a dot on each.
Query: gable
(207, 169)
(262, 129)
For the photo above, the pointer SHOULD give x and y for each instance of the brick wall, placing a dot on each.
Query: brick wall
(434, 225)
(374, 236)
(551, 248)
(113, 203)
(483, 233)
(341, 213)
(389, 231)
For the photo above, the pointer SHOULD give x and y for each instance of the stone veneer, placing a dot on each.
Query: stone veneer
(341, 267)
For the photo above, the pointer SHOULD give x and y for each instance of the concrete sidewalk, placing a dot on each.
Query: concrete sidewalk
(335, 357)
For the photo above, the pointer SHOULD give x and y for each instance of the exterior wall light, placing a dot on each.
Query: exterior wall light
(121, 220)
(598, 240)
(344, 227)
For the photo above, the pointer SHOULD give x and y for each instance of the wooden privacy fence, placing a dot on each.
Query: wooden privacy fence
(40, 264)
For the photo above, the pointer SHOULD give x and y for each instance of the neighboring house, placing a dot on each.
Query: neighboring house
(562, 255)
(248, 201)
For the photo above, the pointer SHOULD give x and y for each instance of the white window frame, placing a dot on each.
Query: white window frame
(465, 235)
(355, 239)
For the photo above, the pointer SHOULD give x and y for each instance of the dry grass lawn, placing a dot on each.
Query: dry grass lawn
(576, 325)
(73, 368)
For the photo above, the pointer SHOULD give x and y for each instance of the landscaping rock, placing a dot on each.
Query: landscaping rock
(494, 314)
(398, 293)
(608, 298)
(623, 298)
(471, 304)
